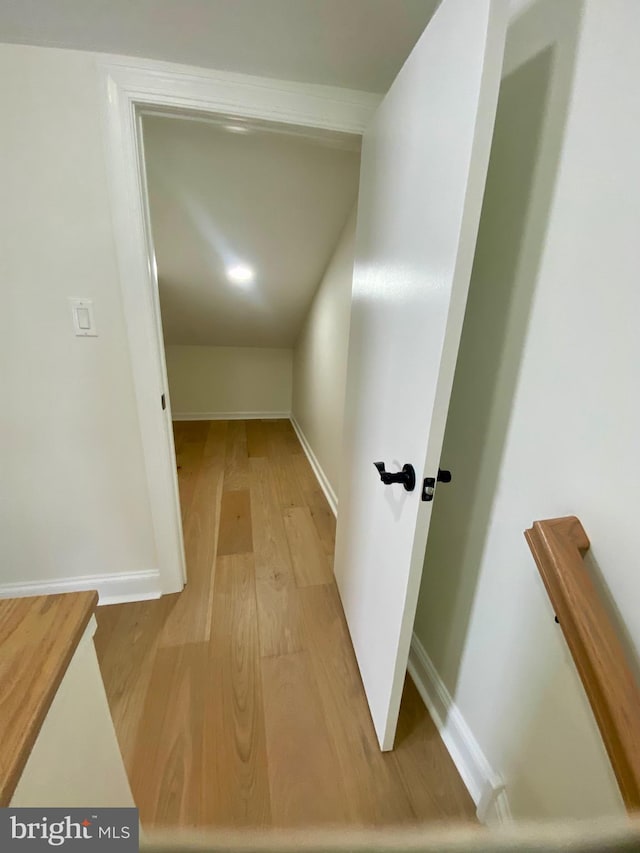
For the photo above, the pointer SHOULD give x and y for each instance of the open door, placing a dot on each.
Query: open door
(424, 165)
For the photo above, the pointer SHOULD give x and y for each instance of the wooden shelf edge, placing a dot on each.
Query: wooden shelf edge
(39, 636)
(558, 546)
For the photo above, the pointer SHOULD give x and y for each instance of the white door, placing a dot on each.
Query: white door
(424, 164)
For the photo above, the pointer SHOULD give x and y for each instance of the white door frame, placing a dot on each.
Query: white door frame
(129, 86)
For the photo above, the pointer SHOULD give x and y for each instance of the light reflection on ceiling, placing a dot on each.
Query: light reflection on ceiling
(244, 225)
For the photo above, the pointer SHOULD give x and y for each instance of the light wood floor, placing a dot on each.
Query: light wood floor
(238, 702)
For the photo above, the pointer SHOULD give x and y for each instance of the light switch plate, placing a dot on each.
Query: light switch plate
(84, 325)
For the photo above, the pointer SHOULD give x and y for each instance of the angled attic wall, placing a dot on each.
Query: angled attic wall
(320, 359)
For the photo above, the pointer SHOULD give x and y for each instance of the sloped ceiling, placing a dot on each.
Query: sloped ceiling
(357, 44)
(273, 201)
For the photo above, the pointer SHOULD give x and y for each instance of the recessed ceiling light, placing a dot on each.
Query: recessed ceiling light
(237, 128)
(240, 274)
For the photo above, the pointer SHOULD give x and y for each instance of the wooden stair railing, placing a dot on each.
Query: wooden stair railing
(558, 546)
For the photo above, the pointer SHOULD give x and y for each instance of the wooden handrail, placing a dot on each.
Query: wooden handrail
(558, 545)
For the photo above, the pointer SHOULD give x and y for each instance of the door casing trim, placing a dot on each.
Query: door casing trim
(128, 88)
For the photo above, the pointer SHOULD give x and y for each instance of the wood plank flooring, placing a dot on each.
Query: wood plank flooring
(238, 702)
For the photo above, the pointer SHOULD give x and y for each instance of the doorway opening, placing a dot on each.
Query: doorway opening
(132, 90)
(249, 222)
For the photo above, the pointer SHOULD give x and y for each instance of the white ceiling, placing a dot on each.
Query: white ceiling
(358, 44)
(275, 201)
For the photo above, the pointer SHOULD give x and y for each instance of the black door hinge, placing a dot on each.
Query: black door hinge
(163, 402)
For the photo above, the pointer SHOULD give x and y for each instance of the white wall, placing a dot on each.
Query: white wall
(73, 484)
(228, 380)
(320, 359)
(545, 415)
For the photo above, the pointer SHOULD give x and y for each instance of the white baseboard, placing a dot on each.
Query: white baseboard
(321, 477)
(486, 787)
(229, 416)
(112, 589)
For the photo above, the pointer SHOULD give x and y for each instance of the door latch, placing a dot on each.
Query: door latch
(429, 485)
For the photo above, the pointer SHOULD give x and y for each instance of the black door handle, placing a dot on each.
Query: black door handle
(429, 486)
(407, 476)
